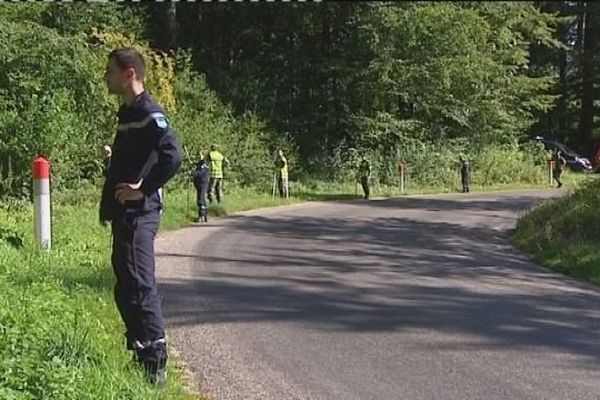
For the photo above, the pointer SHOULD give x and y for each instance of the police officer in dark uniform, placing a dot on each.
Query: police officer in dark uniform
(364, 173)
(559, 163)
(200, 177)
(465, 174)
(145, 156)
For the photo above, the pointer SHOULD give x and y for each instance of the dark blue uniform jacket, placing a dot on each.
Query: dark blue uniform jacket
(145, 148)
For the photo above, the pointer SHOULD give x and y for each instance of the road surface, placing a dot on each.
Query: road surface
(419, 297)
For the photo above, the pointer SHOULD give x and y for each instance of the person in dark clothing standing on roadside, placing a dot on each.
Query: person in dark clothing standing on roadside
(201, 180)
(559, 164)
(465, 174)
(281, 167)
(145, 156)
(364, 173)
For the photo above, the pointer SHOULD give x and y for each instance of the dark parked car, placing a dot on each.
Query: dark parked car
(574, 161)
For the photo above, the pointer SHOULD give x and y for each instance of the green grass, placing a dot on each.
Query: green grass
(318, 190)
(61, 336)
(564, 234)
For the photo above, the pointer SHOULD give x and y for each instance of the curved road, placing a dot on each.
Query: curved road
(409, 298)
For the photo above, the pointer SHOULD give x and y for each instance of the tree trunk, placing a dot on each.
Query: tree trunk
(587, 78)
(171, 25)
(563, 84)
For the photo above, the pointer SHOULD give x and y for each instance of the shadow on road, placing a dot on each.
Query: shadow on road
(456, 202)
(384, 274)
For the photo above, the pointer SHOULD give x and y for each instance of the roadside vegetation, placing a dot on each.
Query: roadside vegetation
(564, 234)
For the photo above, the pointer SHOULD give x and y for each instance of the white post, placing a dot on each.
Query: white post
(41, 201)
(402, 179)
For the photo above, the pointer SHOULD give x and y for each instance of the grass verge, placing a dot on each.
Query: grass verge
(60, 334)
(564, 234)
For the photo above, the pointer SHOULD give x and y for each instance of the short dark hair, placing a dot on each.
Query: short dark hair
(129, 58)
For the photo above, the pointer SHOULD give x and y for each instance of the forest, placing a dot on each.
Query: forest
(329, 82)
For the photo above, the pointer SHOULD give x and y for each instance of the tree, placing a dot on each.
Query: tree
(590, 17)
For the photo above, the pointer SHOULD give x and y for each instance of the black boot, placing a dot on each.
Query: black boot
(156, 376)
(154, 365)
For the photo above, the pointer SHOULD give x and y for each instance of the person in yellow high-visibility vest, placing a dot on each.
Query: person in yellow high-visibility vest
(281, 166)
(215, 163)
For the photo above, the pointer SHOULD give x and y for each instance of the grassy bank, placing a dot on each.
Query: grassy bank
(564, 234)
(60, 333)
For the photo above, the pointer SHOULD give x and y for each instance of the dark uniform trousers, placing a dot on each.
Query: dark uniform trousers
(201, 193)
(136, 292)
(215, 186)
(556, 173)
(465, 180)
(201, 181)
(282, 185)
(364, 182)
(465, 177)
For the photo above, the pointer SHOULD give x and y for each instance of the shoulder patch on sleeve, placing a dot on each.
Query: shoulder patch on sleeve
(162, 123)
(160, 119)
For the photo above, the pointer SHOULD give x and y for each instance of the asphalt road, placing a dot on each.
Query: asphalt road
(409, 298)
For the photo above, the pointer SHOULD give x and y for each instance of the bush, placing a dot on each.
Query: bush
(509, 164)
(563, 234)
(202, 120)
(53, 101)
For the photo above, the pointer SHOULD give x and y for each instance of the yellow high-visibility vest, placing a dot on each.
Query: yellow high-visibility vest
(216, 164)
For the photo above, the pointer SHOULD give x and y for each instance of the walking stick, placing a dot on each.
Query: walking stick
(187, 207)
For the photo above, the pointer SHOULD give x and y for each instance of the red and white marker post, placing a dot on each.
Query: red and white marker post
(41, 201)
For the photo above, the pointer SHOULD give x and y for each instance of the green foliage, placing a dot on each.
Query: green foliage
(20, 12)
(75, 18)
(447, 79)
(444, 71)
(202, 120)
(53, 101)
(160, 68)
(60, 333)
(391, 81)
(386, 141)
(564, 234)
(455, 71)
(509, 164)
